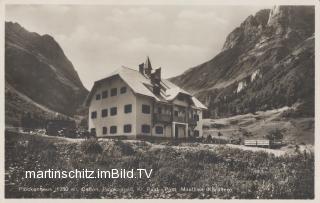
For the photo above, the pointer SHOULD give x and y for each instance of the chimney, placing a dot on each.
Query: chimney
(148, 67)
(141, 68)
(156, 80)
(157, 75)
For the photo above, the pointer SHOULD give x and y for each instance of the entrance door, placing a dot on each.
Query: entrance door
(176, 132)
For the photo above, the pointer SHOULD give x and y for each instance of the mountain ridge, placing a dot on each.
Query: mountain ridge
(251, 53)
(37, 67)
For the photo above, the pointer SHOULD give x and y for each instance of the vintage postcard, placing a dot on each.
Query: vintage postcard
(159, 100)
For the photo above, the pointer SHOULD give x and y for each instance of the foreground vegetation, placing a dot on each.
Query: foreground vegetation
(234, 173)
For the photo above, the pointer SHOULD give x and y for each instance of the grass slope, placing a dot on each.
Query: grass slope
(299, 130)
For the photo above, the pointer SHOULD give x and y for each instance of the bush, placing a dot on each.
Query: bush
(126, 148)
(118, 148)
(245, 132)
(91, 146)
(275, 134)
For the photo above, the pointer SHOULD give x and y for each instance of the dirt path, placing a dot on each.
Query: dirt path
(276, 152)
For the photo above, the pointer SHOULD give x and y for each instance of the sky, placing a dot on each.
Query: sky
(98, 39)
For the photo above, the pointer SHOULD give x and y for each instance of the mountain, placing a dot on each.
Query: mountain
(39, 75)
(265, 63)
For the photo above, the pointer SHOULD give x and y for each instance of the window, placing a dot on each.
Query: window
(98, 96)
(123, 90)
(93, 114)
(128, 108)
(104, 113)
(113, 111)
(176, 113)
(159, 130)
(145, 109)
(93, 132)
(104, 94)
(113, 92)
(159, 110)
(127, 128)
(113, 129)
(104, 130)
(145, 128)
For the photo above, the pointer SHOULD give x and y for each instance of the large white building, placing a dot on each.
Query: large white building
(140, 103)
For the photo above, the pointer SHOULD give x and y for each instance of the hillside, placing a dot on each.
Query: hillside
(267, 62)
(16, 104)
(36, 67)
(257, 126)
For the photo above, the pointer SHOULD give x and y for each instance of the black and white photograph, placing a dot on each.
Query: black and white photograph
(159, 100)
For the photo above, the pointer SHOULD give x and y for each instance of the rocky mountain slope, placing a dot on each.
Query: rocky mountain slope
(38, 72)
(267, 62)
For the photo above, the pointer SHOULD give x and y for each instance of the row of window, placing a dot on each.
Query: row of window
(128, 109)
(113, 129)
(114, 111)
(128, 129)
(113, 92)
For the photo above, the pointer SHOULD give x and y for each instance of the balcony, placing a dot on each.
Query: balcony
(179, 119)
(165, 118)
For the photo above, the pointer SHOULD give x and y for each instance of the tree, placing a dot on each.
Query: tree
(219, 135)
(209, 138)
(252, 106)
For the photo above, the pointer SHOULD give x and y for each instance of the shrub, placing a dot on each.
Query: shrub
(91, 146)
(245, 132)
(119, 148)
(275, 134)
(126, 148)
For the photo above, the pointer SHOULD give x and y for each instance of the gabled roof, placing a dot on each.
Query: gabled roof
(141, 84)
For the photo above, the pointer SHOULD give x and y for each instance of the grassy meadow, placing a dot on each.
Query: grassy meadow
(234, 173)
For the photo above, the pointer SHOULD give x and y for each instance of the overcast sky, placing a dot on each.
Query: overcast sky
(99, 39)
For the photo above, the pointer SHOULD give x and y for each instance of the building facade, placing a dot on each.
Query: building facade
(140, 103)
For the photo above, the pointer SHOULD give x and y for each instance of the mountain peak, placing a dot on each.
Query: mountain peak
(36, 66)
(284, 19)
(248, 31)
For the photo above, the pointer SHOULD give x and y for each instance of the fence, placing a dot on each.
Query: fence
(259, 143)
